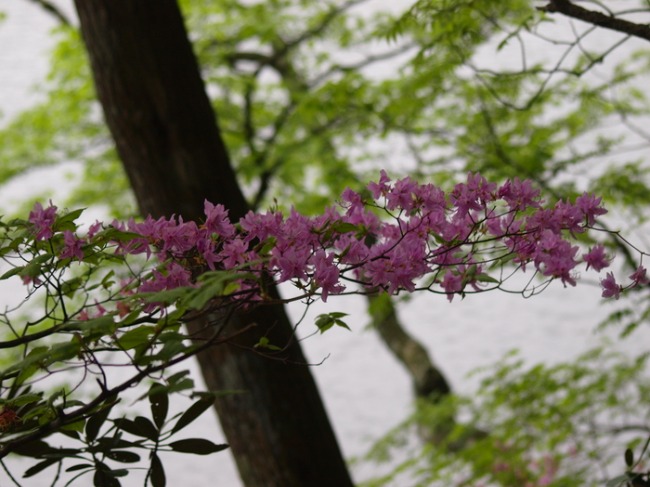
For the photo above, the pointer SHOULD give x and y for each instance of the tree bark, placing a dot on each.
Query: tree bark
(154, 101)
(428, 381)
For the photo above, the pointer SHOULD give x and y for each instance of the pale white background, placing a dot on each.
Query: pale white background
(365, 391)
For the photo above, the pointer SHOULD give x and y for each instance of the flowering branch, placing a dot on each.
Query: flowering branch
(118, 294)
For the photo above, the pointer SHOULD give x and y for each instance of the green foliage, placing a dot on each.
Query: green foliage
(327, 320)
(528, 425)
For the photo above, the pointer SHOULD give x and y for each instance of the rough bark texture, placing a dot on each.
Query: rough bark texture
(166, 134)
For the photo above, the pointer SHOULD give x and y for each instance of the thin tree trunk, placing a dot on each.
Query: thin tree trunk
(428, 381)
(166, 134)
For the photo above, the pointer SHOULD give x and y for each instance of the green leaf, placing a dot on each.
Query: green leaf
(344, 227)
(486, 278)
(12, 272)
(123, 456)
(79, 466)
(198, 446)
(169, 296)
(64, 222)
(326, 321)
(629, 457)
(94, 328)
(135, 337)
(147, 427)
(264, 342)
(26, 399)
(39, 467)
(141, 426)
(35, 449)
(214, 284)
(114, 235)
(175, 383)
(96, 421)
(105, 477)
(114, 443)
(72, 430)
(68, 288)
(265, 247)
(159, 406)
(36, 358)
(63, 351)
(618, 481)
(107, 281)
(157, 472)
(342, 324)
(194, 411)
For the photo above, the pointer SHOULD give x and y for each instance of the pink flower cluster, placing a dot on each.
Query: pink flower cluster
(451, 239)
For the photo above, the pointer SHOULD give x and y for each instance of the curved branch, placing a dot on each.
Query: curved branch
(54, 11)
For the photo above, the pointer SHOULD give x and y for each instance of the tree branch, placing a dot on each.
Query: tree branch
(569, 9)
(54, 11)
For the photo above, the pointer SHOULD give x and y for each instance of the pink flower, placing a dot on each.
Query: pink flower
(380, 188)
(610, 287)
(72, 247)
(177, 276)
(31, 280)
(206, 247)
(179, 238)
(101, 311)
(93, 229)
(569, 217)
(351, 197)
(173, 276)
(596, 258)
(326, 274)
(290, 261)
(431, 197)
(519, 195)
(234, 253)
(554, 257)
(452, 284)
(217, 220)
(401, 196)
(590, 207)
(640, 276)
(261, 226)
(43, 220)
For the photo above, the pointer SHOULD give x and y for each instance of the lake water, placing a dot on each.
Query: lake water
(365, 391)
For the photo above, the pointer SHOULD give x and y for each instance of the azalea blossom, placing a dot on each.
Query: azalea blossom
(456, 237)
(43, 220)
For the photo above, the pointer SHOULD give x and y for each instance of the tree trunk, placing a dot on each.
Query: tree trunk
(166, 133)
(428, 381)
